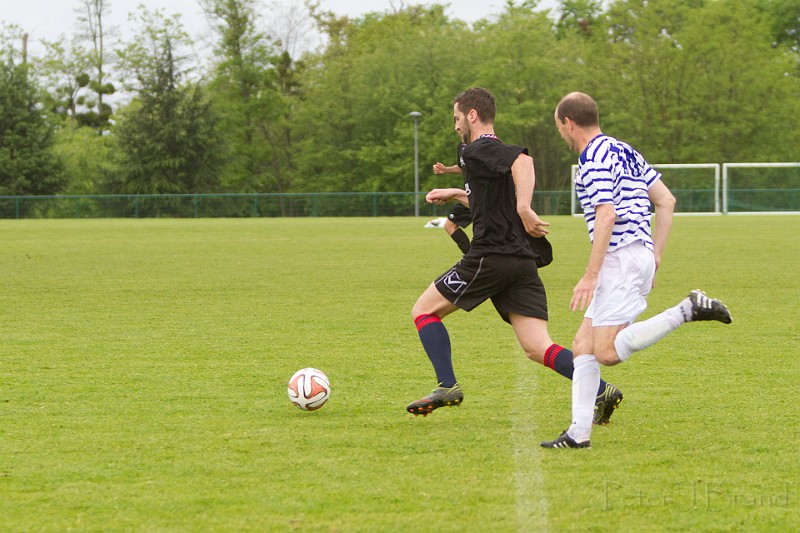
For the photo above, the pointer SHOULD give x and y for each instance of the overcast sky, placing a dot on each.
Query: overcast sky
(47, 19)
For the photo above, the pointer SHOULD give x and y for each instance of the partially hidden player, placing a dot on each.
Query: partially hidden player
(460, 216)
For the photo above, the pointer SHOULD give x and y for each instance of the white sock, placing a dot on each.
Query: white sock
(585, 382)
(640, 335)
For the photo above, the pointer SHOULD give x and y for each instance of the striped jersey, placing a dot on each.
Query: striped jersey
(610, 171)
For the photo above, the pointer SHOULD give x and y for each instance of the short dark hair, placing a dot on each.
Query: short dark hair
(580, 108)
(478, 99)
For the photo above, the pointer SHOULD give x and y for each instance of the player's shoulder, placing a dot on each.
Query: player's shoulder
(492, 147)
(605, 149)
(599, 148)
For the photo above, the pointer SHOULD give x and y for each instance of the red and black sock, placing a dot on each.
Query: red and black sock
(436, 342)
(560, 359)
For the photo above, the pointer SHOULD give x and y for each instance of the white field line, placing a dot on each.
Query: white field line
(531, 499)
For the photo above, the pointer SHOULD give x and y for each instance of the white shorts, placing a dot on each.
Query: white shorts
(625, 280)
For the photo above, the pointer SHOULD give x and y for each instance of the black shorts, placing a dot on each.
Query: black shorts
(460, 215)
(511, 283)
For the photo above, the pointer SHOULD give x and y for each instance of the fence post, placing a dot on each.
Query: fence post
(724, 188)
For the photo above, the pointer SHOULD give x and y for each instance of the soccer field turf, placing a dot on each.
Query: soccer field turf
(143, 371)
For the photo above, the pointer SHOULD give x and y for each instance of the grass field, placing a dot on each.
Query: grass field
(143, 370)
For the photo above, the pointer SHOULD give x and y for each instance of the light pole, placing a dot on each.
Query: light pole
(415, 115)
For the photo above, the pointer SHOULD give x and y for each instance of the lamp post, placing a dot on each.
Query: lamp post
(415, 115)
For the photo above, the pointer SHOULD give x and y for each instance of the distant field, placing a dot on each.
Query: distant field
(143, 370)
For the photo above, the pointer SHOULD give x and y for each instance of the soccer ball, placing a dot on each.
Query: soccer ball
(309, 389)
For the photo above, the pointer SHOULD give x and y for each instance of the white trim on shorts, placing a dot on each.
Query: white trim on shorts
(625, 280)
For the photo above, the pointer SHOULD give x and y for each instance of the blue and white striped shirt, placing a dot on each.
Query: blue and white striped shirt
(610, 171)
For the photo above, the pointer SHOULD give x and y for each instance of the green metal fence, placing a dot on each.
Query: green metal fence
(379, 204)
(382, 204)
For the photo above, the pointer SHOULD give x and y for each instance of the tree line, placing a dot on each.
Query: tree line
(684, 81)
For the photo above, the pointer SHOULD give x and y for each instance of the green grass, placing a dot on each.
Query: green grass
(143, 370)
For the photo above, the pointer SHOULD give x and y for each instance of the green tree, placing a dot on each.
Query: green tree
(92, 21)
(744, 102)
(579, 17)
(693, 81)
(523, 66)
(27, 165)
(245, 96)
(280, 132)
(356, 132)
(65, 70)
(167, 136)
(89, 159)
(785, 22)
(641, 76)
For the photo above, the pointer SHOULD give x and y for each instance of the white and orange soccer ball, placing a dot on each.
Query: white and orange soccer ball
(309, 389)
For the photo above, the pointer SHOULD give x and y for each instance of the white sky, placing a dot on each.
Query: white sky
(47, 19)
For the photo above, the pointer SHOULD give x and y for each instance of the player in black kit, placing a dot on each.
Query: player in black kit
(460, 216)
(501, 264)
